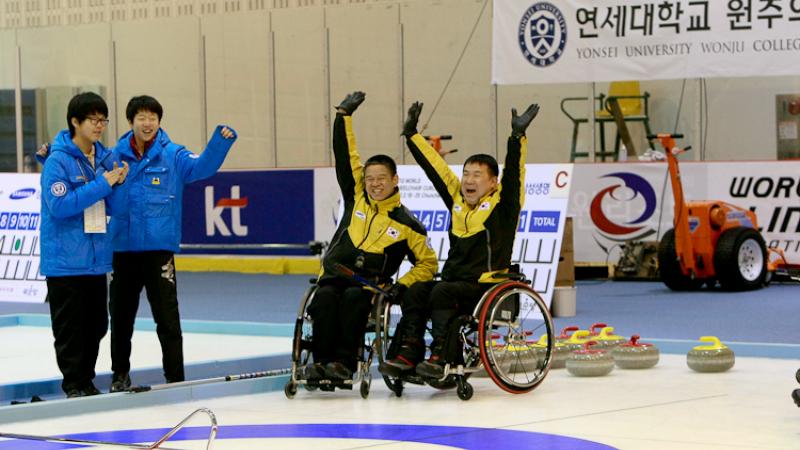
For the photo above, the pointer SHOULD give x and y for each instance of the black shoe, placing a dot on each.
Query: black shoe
(338, 370)
(796, 397)
(120, 382)
(313, 371)
(74, 393)
(90, 390)
(432, 368)
(396, 367)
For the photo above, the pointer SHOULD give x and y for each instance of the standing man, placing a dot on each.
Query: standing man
(375, 235)
(484, 214)
(148, 233)
(76, 248)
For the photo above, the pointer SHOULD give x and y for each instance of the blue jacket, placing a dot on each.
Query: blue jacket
(148, 213)
(70, 185)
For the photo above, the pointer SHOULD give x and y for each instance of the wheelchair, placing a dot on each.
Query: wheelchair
(500, 337)
(302, 351)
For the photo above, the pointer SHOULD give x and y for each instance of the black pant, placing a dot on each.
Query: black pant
(79, 316)
(155, 271)
(340, 312)
(440, 301)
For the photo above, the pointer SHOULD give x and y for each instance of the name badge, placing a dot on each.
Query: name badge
(94, 218)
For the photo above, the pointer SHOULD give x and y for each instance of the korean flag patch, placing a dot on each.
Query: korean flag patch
(484, 205)
(393, 233)
(58, 189)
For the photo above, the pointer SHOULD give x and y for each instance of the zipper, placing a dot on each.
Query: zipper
(369, 227)
(489, 250)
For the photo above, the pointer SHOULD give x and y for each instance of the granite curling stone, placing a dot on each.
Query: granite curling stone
(635, 355)
(590, 363)
(607, 340)
(715, 357)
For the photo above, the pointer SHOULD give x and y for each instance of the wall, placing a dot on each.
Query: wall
(275, 69)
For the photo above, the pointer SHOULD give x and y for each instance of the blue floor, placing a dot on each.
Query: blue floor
(770, 315)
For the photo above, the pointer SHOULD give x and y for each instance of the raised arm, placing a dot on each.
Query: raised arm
(192, 167)
(512, 191)
(444, 180)
(349, 173)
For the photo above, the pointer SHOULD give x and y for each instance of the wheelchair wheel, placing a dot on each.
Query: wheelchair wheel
(301, 343)
(364, 388)
(290, 389)
(385, 327)
(511, 317)
(464, 390)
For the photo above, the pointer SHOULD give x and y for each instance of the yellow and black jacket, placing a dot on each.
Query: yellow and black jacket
(373, 237)
(481, 238)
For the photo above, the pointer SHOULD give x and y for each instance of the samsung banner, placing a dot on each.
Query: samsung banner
(614, 203)
(606, 40)
(20, 202)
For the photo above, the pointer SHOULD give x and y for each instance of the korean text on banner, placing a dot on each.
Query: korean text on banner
(570, 41)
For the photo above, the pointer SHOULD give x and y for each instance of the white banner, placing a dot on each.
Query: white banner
(613, 203)
(606, 40)
(20, 280)
(537, 247)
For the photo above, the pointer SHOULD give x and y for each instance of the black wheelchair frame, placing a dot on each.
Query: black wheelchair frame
(498, 336)
(302, 351)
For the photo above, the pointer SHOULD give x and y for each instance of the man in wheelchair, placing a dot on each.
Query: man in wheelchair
(484, 214)
(375, 234)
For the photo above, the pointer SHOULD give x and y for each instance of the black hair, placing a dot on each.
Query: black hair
(484, 160)
(82, 105)
(382, 160)
(143, 103)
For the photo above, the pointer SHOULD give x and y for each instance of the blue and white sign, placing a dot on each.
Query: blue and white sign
(20, 203)
(537, 246)
(250, 207)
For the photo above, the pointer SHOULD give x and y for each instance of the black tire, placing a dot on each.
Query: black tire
(397, 387)
(740, 259)
(290, 390)
(465, 390)
(514, 311)
(669, 267)
(385, 326)
(364, 389)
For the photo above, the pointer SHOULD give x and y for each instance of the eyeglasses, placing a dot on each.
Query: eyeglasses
(98, 120)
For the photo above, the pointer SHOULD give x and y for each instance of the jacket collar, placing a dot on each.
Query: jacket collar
(153, 151)
(389, 203)
(63, 143)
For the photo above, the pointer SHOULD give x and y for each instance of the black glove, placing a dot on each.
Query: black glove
(410, 127)
(350, 103)
(397, 291)
(520, 123)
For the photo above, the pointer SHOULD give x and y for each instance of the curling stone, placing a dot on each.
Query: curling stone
(523, 359)
(566, 333)
(590, 363)
(594, 330)
(635, 354)
(559, 356)
(607, 340)
(715, 357)
(499, 349)
(576, 341)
